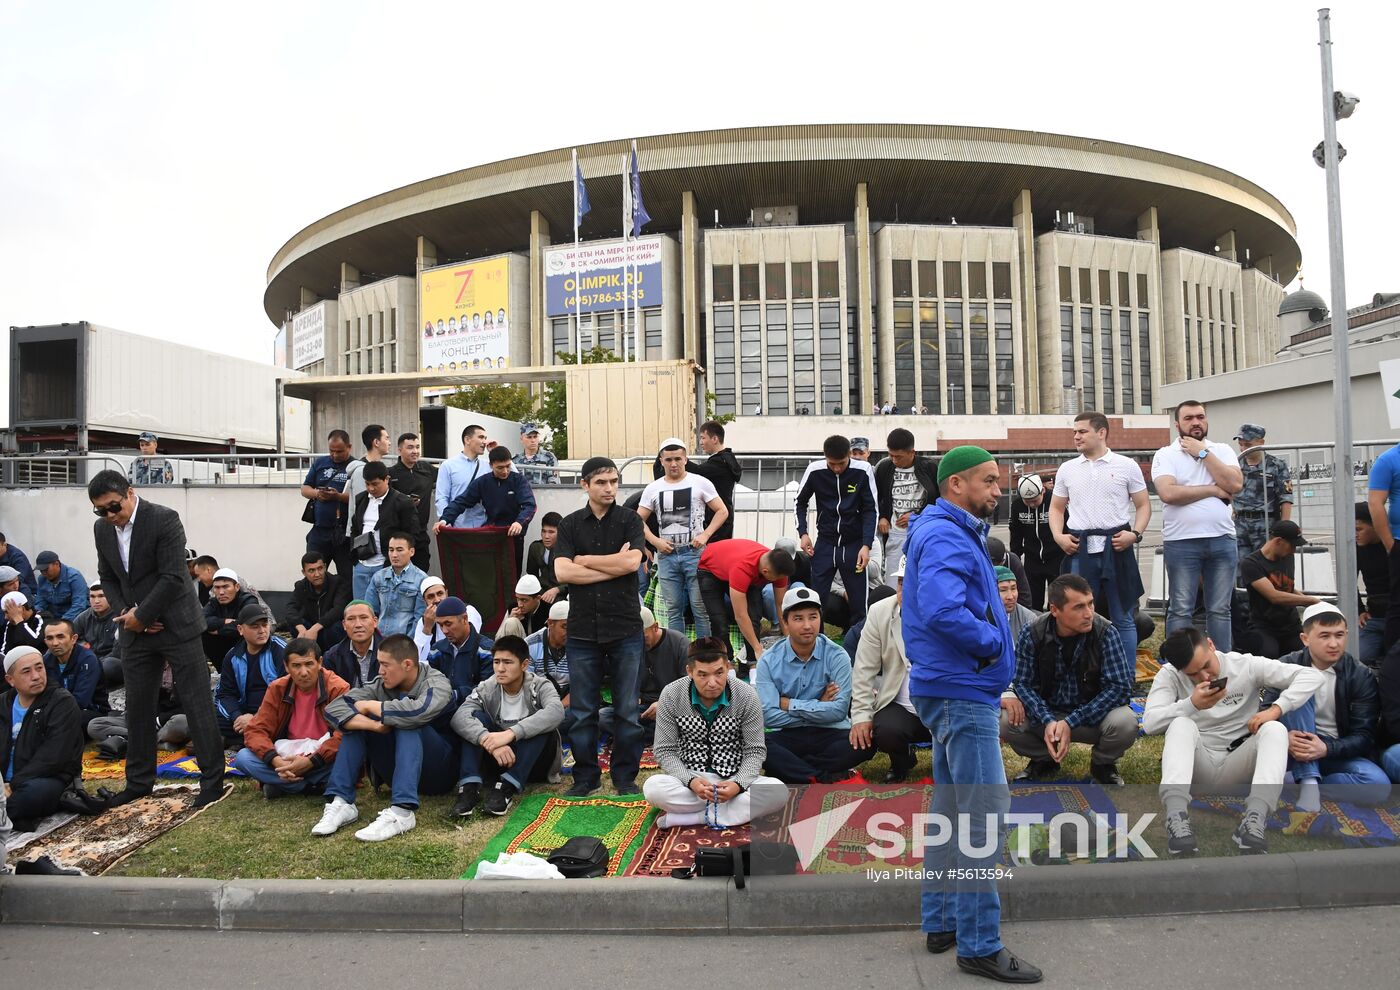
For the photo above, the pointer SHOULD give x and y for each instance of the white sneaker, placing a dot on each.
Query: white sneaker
(391, 822)
(338, 813)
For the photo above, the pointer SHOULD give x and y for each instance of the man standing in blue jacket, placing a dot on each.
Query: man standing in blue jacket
(961, 658)
(845, 522)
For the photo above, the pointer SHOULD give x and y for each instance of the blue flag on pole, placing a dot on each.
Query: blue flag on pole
(640, 217)
(580, 197)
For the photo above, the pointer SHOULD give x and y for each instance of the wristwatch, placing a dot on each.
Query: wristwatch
(1138, 534)
(1205, 452)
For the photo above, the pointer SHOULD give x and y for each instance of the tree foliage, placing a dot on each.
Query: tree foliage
(512, 402)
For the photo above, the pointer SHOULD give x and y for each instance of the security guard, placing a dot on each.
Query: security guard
(1267, 495)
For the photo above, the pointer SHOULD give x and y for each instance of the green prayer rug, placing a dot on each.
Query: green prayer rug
(542, 823)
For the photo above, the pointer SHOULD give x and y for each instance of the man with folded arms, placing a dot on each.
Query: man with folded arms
(1218, 738)
(290, 745)
(710, 745)
(388, 724)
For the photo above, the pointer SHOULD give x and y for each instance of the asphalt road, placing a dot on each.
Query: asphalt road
(1276, 949)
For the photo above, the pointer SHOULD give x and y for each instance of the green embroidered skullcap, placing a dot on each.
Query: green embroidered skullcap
(1005, 574)
(959, 459)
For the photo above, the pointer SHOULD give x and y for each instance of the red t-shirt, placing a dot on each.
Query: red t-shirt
(306, 722)
(735, 562)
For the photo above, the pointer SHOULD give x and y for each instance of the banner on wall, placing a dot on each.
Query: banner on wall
(309, 336)
(464, 316)
(605, 280)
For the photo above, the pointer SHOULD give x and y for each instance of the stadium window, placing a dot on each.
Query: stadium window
(775, 280)
(1065, 290)
(902, 278)
(802, 280)
(1086, 289)
(976, 280)
(828, 280)
(928, 280)
(1105, 281)
(1141, 292)
(1001, 279)
(723, 278)
(748, 283)
(952, 280)
(1123, 290)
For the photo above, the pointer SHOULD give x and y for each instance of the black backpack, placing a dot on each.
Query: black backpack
(580, 857)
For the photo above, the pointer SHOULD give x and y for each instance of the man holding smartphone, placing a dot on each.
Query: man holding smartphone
(1217, 736)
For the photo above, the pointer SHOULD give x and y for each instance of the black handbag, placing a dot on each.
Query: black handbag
(365, 546)
(582, 856)
(771, 858)
(308, 514)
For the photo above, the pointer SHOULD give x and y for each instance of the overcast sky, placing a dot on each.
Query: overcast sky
(156, 155)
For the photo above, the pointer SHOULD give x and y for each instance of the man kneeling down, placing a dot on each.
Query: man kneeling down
(388, 723)
(290, 745)
(709, 742)
(514, 717)
(1217, 737)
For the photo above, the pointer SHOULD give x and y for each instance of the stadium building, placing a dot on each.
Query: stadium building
(826, 270)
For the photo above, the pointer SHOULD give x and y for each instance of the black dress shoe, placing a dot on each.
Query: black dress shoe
(1002, 967)
(121, 797)
(1106, 774)
(938, 942)
(208, 794)
(46, 866)
(1039, 770)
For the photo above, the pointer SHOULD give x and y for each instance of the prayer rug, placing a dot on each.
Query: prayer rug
(605, 759)
(183, 765)
(41, 828)
(1355, 825)
(665, 849)
(95, 845)
(173, 765)
(542, 823)
(1138, 705)
(479, 566)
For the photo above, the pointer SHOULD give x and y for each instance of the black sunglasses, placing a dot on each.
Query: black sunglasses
(110, 509)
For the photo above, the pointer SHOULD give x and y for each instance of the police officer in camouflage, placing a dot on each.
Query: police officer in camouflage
(533, 453)
(1267, 496)
(148, 469)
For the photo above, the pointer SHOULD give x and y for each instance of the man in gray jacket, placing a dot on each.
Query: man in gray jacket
(709, 743)
(513, 716)
(387, 723)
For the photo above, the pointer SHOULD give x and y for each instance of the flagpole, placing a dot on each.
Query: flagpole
(626, 230)
(578, 318)
(636, 288)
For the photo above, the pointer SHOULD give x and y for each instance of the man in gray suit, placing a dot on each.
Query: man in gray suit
(141, 563)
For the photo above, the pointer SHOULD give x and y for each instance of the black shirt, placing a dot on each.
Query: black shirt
(1264, 614)
(418, 483)
(609, 610)
(1373, 564)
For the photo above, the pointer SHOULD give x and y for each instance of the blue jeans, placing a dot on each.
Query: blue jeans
(1123, 620)
(969, 779)
(255, 768)
(1371, 641)
(415, 761)
(527, 754)
(1213, 560)
(621, 661)
(1355, 779)
(359, 581)
(680, 583)
(1390, 762)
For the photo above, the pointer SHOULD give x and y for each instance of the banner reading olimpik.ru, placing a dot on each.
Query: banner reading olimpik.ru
(605, 279)
(464, 316)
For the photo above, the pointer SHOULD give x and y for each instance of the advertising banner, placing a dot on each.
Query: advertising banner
(604, 276)
(464, 316)
(309, 336)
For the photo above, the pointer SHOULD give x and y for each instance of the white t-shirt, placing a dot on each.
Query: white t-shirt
(1100, 493)
(1205, 517)
(1325, 700)
(372, 505)
(513, 707)
(679, 507)
(906, 493)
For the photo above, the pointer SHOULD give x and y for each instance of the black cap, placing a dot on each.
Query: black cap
(252, 613)
(1286, 529)
(596, 464)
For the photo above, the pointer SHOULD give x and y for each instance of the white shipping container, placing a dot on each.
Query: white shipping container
(136, 383)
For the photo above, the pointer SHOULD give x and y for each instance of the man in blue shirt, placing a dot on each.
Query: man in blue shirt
(1384, 501)
(804, 684)
(324, 485)
(13, 556)
(958, 641)
(1074, 679)
(61, 591)
(456, 474)
(258, 659)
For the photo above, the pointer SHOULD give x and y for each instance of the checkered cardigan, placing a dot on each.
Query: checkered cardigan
(730, 746)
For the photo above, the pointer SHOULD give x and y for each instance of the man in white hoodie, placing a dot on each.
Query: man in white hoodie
(1218, 738)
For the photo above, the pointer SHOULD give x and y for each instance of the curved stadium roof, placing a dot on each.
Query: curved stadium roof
(915, 173)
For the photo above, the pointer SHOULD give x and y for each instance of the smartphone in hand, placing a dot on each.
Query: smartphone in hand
(1218, 684)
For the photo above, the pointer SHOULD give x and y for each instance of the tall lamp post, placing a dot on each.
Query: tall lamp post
(1338, 105)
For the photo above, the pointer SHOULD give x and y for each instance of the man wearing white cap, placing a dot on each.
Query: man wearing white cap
(227, 600)
(678, 500)
(530, 612)
(426, 632)
(22, 626)
(41, 738)
(549, 655)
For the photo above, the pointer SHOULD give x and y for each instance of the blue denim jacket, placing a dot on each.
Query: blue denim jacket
(396, 599)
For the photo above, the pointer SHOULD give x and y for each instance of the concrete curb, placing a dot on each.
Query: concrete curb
(767, 905)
